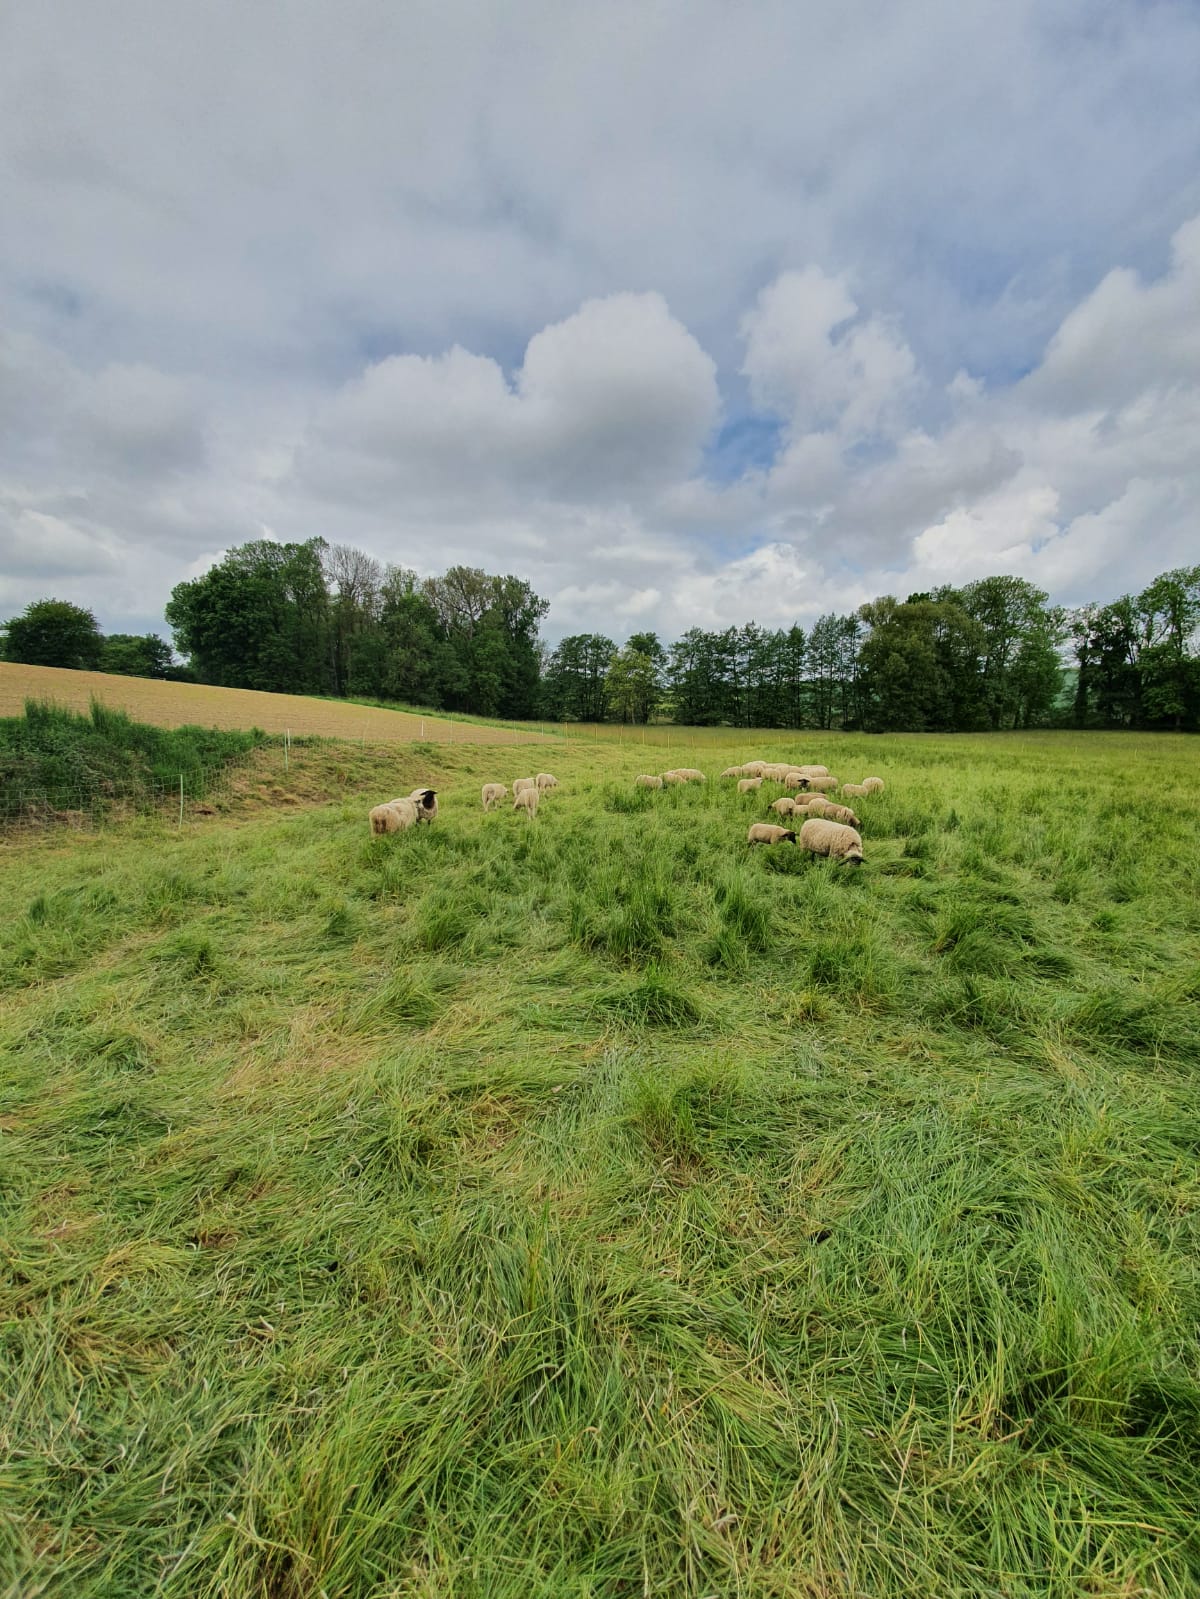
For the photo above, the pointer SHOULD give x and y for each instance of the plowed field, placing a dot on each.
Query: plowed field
(194, 704)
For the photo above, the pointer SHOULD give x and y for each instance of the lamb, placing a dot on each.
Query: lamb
(857, 789)
(775, 771)
(673, 777)
(689, 774)
(393, 817)
(840, 843)
(813, 771)
(523, 782)
(767, 833)
(753, 768)
(784, 807)
(645, 780)
(732, 771)
(545, 781)
(749, 785)
(837, 813)
(492, 793)
(526, 800)
(873, 785)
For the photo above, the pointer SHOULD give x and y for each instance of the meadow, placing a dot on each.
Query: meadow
(595, 1207)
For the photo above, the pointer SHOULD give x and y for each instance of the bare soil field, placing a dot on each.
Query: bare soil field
(195, 704)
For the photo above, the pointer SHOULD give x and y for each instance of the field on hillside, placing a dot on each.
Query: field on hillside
(175, 704)
(593, 1207)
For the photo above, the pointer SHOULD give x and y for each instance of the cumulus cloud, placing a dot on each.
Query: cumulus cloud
(490, 285)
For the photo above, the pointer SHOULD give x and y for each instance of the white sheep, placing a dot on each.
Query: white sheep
(425, 799)
(520, 783)
(812, 771)
(837, 813)
(840, 843)
(673, 777)
(753, 768)
(873, 785)
(689, 774)
(767, 833)
(527, 800)
(794, 778)
(646, 780)
(784, 806)
(857, 789)
(394, 816)
(545, 781)
(732, 771)
(492, 794)
(749, 785)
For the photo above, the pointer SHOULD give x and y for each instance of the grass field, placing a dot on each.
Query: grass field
(590, 1207)
(172, 704)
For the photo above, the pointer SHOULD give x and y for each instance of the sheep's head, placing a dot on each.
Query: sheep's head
(804, 785)
(853, 820)
(788, 837)
(853, 856)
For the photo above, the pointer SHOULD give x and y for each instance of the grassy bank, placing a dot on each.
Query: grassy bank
(591, 1207)
(54, 759)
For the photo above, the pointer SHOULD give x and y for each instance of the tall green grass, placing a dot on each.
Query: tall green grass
(594, 1206)
(53, 758)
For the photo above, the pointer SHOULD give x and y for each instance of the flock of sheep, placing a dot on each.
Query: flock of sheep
(827, 828)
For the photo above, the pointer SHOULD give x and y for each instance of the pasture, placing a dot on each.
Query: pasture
(595, 1207)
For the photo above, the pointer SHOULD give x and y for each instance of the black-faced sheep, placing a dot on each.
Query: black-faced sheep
(425, 799)
(767, 833)
(824, 837)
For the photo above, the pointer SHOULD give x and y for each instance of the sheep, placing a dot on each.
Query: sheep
(812, 771)
(425, 799)
(732, 771)
(673, 777)
(873, 785)
(838, 813)
(523, 782)
(753, 768)
(394, 816)
(645, 780)
(811, 805)
(840, 843)
(749, 785)
(794, 779)
(526, 800)
(784, 807)
(857, 789)
(767, 833)
(689, 774)
(775, 771)
(814, 783)
(545, 781)
(492, 793)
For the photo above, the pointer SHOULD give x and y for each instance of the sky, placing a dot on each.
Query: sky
(689, 312)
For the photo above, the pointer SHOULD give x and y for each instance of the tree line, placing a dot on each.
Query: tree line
(328, 619)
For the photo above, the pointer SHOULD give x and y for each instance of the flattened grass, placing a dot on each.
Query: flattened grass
(594, 1206)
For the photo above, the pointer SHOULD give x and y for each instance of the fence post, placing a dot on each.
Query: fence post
(181, 800)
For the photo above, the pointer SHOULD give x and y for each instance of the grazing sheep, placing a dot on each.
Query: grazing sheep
(837, 813)
(527, 800)
(767, 833)
(673, 777)
(794, 779)
(523, 782)
(857, 789)
(784, 807)
(425, 799)
(873, 785)
(689, 774)
(811, 805)
(753, 768)
(394, 816)
(840, 843)
(645, 780)
(493, 792)
(814, 783)
(749, 785)
(812, 771)
(545, 781)
(732, 771)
